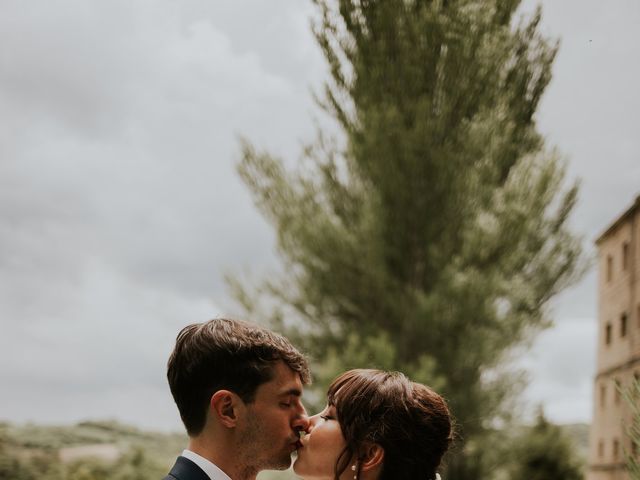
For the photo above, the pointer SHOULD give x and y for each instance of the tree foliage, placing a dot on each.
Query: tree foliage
(430, 234)
(136, 465)
(544, 452)
(632, 397)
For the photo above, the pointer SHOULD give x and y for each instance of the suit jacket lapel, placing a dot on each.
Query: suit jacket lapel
(185, 469)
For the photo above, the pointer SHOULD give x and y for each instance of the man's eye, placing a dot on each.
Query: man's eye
(285, 404)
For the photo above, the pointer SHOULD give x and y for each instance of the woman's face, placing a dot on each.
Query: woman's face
(321, 447)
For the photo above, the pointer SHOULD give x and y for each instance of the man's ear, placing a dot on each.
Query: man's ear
(223, 406)
(372, 457)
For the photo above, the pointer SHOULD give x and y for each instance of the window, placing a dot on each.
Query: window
(616, 449)
(607, 334)
(638, 316)
(617, 390)
(623, 325)
(600, 449)
(603, 396)
(625, 256)
(609, 268)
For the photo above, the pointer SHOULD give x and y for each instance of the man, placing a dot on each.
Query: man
(238, 388)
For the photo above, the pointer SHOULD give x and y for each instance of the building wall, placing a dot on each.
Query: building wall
(618, 350)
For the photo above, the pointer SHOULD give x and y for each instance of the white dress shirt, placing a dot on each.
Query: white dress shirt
(209, 468)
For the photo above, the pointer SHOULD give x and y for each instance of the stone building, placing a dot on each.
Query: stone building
(618, 345)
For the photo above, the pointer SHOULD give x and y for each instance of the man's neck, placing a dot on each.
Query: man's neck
(223, 456)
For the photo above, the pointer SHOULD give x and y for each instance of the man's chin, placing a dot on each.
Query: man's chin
(282, 463)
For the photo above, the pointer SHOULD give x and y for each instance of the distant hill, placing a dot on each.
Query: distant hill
(164, 447)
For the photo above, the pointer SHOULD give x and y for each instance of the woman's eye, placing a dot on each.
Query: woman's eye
(326, 417)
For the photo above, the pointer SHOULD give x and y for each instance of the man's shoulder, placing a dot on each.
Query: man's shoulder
(185, 469)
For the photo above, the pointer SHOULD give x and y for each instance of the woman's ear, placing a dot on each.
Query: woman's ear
(223, 407)
(372, 457)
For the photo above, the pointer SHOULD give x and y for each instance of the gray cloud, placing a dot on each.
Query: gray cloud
(120, 204)
(561, 365)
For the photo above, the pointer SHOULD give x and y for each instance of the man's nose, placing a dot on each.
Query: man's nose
(301, 422)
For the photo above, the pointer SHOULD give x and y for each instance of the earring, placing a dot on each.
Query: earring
(353, 469)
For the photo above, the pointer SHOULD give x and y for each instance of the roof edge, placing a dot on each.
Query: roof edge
(618, 221)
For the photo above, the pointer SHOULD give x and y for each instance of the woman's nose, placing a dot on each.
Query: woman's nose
(313, 421)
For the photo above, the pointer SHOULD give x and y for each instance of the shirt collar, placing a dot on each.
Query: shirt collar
(209, 468)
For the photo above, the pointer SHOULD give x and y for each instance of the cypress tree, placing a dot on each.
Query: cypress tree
(430, 233)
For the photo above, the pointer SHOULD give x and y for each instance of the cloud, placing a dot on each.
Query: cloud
(132, 120)
(119, 201)
(562, 365)
(111, 342)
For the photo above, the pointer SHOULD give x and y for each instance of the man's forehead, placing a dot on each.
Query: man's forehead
(284, 380)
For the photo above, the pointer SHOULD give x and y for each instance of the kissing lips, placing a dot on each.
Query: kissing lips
(296, 444)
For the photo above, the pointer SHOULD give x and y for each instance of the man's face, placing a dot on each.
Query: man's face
(273, 420)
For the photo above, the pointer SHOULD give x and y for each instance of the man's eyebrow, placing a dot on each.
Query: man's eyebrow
(296, 392)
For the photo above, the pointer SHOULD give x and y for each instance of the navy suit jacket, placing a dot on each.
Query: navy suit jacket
(185, 469)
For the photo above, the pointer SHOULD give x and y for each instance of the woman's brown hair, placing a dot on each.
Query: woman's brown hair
(408, 420)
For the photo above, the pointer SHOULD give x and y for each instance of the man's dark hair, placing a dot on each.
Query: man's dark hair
(224, 354)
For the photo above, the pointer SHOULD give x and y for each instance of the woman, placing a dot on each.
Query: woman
(376, 426)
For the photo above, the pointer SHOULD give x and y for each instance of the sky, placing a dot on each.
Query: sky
(121, 210)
